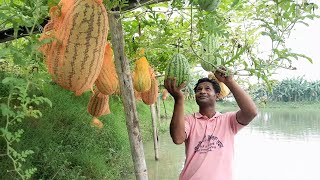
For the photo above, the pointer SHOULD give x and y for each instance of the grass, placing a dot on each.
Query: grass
(67, 147)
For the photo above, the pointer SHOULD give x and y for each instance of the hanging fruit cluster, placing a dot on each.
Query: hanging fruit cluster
(78, 56)
(77, 31)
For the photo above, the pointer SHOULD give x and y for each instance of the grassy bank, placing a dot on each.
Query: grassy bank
(66, 146)
(305, 106)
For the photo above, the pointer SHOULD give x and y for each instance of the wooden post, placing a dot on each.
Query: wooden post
(127, 94)
(158, 108)
(155, 131)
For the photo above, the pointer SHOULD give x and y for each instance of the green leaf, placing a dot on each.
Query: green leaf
(303, 56)
(234, 3)
(6, 111)
(8, 135)
(302, 22)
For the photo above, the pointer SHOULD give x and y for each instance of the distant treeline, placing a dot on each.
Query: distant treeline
(289, 90)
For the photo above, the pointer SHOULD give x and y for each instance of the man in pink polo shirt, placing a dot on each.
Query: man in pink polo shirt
(209, 135)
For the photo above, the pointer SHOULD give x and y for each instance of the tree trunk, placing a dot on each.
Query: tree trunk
(127, 94)
(155, 131)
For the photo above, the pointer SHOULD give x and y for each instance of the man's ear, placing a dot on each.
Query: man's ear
(217, 95)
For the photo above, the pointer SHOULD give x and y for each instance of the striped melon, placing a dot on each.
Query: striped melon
(78, 30)
(178, 68)
(224, 89)
(107, 82)
(98, 104)
(150, 97)
(210, 58)
(209, 5)
(141, 75)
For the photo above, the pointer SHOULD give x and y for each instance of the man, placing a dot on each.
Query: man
(209, 135)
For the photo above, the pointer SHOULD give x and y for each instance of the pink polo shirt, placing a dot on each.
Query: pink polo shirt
(209, 146)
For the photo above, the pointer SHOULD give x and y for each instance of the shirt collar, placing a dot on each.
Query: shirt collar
(200, 116)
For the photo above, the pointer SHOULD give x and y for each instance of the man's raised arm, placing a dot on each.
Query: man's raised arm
(248, 110)
(177, 125)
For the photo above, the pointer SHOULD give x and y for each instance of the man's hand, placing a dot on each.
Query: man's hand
(223, 74)
(170, 85)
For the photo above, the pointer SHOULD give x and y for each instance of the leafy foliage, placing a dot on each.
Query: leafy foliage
(18, 107)
(289, 90)
(20, 66)
(164, 28)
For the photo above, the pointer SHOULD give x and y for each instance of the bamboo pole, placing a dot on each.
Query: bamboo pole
(155, 131)
(127, 94)
(158, 108)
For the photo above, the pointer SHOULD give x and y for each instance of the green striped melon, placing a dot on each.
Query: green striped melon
(209, 5)
(178, 68)
(210, 58)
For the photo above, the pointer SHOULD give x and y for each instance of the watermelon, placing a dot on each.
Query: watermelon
(209, 5)
(178, 68)
(210, 57)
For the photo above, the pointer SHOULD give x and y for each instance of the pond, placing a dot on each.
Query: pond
(278, 145)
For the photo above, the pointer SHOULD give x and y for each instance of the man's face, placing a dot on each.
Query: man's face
(205, 94)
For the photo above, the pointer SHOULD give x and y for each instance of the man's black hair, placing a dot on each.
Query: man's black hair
(214, 83)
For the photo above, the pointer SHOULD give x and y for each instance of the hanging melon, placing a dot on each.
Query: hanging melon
(107, 81)
(210, 57)
(96, 123)
(78, 31)
(141, 76)
(207, 5)
(224, 89)
(150, 97)
(178, 68)
(98, 104)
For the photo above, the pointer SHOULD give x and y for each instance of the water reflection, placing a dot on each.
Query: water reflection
(278, 145)
(289, 124)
